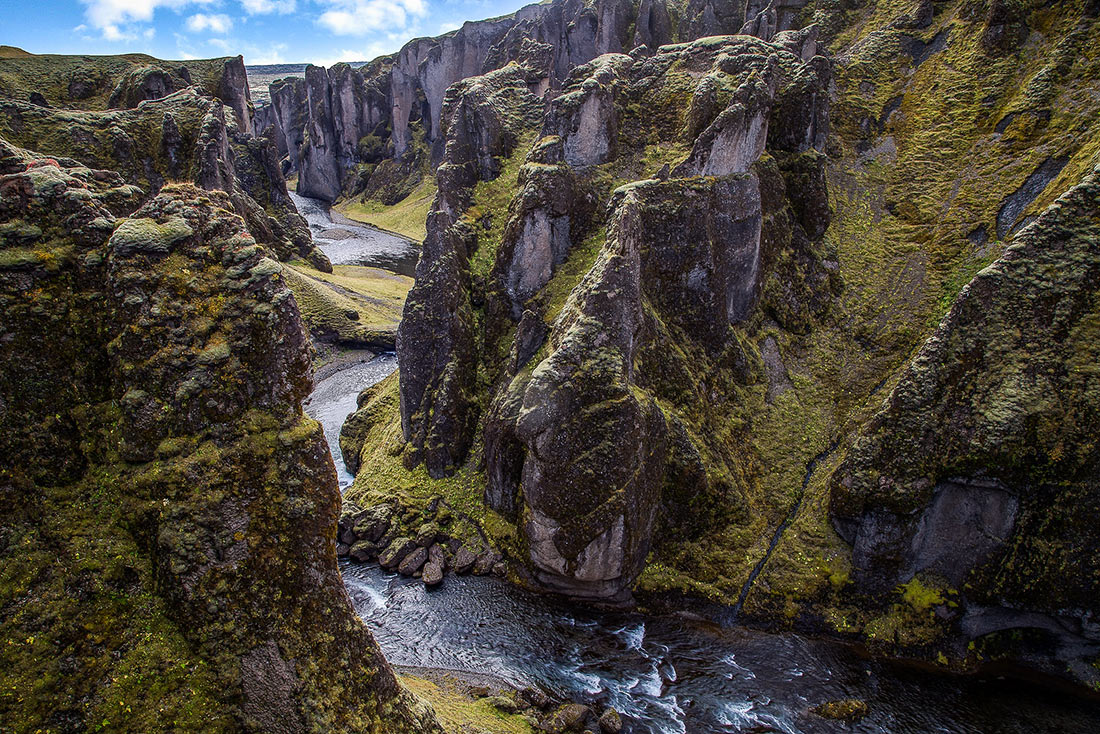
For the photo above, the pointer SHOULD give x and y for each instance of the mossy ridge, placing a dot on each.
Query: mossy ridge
(920, 255)
(137, 518)
(53, 74)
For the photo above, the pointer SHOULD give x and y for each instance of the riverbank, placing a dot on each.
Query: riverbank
(407, 218)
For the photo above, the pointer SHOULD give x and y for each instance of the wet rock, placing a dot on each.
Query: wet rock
(537, 697)
(484, 564)
(342, 550)
(363, 551)
(849, 709)
(412, 563)
(437, 555)
(463, 560)
(571, 717)
(432, 574)
(610, 722)
(396, 552)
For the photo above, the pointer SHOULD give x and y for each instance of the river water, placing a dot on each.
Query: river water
(347, 242)
(333, 399)
(665, 674)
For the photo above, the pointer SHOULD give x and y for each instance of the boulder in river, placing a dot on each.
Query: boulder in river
(413, 562)
(568, 718)
(395, 552)
(611, 722)
(363, 551)
(848, 709)
(432, 574)
(464, 560)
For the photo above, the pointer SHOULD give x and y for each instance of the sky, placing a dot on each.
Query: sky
(264, 31)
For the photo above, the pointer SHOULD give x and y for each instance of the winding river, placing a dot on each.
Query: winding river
(668, 675)
(347, 242)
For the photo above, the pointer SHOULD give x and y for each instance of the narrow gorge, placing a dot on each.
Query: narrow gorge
(606, 366)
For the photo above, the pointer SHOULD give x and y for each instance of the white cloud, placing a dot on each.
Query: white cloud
(219, 23)
(259, 7)
(270, 55)
(364, 17)
(117, 19)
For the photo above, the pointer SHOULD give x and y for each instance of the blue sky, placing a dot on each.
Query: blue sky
(265, 31)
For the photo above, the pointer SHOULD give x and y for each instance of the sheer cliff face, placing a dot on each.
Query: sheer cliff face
(682, 335)
(386, 97)
(168, 513)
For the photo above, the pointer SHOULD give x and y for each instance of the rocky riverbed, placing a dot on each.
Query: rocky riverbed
(347, 242)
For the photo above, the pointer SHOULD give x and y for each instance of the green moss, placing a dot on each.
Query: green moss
(458, 712)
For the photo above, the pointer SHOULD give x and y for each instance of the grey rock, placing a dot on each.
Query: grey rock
(413, 561)
(432, 574)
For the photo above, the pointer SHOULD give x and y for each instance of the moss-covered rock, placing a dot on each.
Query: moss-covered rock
(168, 511)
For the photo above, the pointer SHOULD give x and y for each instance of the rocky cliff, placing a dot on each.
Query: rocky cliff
(675, 326)
(341, 122)
(167, 124)
(168, 512)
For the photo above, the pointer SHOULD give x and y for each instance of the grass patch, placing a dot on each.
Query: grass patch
(328, 301)
(409, 217)
(458, 713)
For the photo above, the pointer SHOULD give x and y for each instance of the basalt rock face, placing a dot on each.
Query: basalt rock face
(979, 474)
(577, 448)
(437, 340)
(168, 511)
(702, 306)
(395, 98)
(184, 136)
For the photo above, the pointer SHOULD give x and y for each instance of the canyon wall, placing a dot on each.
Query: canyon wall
(167, 511)
(795, 324)
(342, 117)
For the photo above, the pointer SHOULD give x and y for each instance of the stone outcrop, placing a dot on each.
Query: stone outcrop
(184, 136)
(168, 510)
(576, 448)
(436, 341)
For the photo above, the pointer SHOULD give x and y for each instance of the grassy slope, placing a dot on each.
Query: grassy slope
(405, 218)
(325, 299)
(458, 713)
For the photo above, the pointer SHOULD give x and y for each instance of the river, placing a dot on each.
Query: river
(347, 242)
(665, 674)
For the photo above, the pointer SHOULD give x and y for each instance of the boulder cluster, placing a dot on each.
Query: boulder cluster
(378, 533)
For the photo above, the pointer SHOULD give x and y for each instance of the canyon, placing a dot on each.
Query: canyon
(768, 314)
